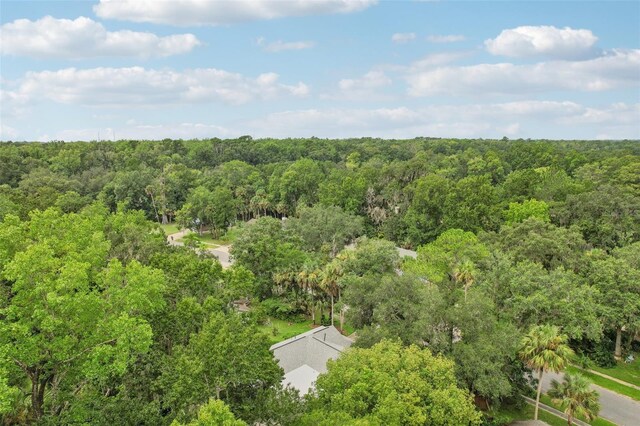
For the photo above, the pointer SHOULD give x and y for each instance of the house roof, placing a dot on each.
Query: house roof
(304, 357)
(297, 337)
(302, 378)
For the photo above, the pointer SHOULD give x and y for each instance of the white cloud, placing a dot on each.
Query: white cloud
(279, 45)
(403, 37)
(451, 38)
(8, 133)
(563, 43)
(365, 88)
(535, 119)
(435, 60)
(221, 12)
(12, 103)
(371, 80)
(614, 70)
(522, 119)
(85, 38)
(150, 87)
(143, 132)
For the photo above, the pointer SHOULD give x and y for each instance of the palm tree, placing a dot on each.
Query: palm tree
(545, 349)
(308, 280)
(465, 273)
(329, 282)
(576, 397)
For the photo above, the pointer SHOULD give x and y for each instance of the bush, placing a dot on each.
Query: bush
(325, 320)
(259, 315)
(600, 353)
(497, 420)
(584, 361)
(280, 309)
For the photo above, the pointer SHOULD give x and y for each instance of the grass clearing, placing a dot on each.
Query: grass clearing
(170, 228)
(628, 372)
(607, 384)
(279, 330)
(205, 239)
(511, 414)
(230, 236)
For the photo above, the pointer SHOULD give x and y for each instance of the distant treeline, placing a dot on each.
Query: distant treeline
(408, 191)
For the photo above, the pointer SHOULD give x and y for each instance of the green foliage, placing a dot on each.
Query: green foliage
(607, 216)
(73, 319)
(519, 212)
(390, 384)
(450, 261)
(325, 228)
(213, 413)
(226, 354)
(545, 349)
(424, 218)
(541, 242)
(95, 267)
(214, 210)
(265, 247)
(370, 256)
(526, 294)
(390, 306)
(280, 309)
(619, 285)
(575, 397)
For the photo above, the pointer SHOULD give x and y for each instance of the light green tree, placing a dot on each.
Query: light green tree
(213, 413)
(518, 212)
(73, 320)
(226, 354)
(389, 384)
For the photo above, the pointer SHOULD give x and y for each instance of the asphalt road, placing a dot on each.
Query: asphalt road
(221, 252)
(620, 409)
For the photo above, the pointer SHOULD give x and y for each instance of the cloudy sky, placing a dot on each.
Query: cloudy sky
(151, 69)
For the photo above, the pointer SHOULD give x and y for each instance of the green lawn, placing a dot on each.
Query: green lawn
(284, 329)
(230, 236)
(512, 414)
(628, 372)
(608, 384)
(170, 228)
(205, 239)
(597, 422)
(224, 240)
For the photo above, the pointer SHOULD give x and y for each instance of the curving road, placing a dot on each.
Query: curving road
(617, 408)
(220, 252)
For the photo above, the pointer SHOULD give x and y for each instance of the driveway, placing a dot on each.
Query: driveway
(220, 252)
(620, 409)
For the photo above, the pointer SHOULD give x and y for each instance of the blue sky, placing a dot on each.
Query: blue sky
(150, 69)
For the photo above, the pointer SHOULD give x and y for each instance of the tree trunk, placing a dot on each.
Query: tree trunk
(569, 419)
(313, 313)
(36, 402)
(38, 386)
(165, 219)
(342, 321)
(535, 416)
(332, 309)
(618, 352)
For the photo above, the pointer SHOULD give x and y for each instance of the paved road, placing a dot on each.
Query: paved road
(620, 409)
(221, 252)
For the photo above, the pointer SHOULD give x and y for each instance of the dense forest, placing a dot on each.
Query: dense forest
(103, 322)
